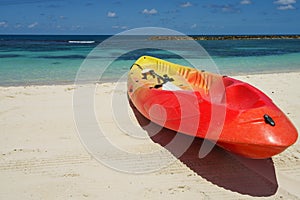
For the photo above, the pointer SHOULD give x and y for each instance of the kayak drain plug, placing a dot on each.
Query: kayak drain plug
(269, 120)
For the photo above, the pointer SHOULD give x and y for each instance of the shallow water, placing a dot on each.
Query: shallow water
(34, 59)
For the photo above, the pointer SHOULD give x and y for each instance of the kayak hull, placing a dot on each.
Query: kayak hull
(235, 115)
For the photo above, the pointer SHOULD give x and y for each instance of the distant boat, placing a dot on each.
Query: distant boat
(183, 99)
(81, 42)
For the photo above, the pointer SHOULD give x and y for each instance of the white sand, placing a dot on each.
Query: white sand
(42, 157)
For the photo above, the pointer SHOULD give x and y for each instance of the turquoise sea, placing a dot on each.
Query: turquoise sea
(55, 59)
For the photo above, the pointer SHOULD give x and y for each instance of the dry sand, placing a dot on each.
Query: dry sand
(42, 156)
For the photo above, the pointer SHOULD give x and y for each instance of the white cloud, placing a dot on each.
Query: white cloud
(194, 26)
(246, 2)
(75, 27)
(3, 24)
(285, 2)
(153, 11)
(286, 7)
(32, 25)
(120, 27)
(186, 4)
(111, 14)
(18, 25)
(225, 8)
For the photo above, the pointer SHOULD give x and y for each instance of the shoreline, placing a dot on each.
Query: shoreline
(69, 83)
(224, 37)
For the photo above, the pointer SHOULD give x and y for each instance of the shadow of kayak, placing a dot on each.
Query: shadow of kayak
(220, 167)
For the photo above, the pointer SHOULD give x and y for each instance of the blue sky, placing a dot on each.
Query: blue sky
(188, 17)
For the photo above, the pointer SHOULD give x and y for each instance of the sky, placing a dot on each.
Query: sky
(104, 17)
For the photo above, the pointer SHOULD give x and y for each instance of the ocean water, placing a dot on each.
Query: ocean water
(42, 59)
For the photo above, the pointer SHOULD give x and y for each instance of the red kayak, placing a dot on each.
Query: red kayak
(232, 113)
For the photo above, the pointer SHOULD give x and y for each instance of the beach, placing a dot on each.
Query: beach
(69, 128)
(42, 156)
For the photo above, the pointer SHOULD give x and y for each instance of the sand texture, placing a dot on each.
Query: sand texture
(43, 157)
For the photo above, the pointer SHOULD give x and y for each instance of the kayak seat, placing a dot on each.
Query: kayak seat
(227, 82)
(240, 96)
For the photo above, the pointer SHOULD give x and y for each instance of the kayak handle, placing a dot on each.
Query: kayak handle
(269, 120)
